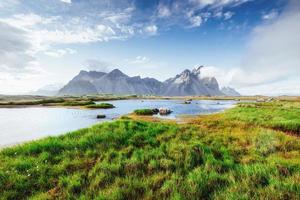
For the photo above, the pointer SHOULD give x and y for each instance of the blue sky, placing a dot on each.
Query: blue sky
(251, 45)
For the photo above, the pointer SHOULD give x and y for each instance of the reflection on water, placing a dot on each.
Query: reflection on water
(24, 124)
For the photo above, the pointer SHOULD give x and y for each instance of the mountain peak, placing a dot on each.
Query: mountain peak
(197, 70)
(117, 73)
(186, 71)
(82, 72)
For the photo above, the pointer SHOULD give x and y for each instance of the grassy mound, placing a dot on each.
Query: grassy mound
(143, 112)
(101, 105)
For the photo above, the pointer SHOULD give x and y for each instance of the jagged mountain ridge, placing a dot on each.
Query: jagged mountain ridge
(116, 82)
(191, 83)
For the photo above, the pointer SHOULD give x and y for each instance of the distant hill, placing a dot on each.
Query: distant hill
(116, 82)
(47, 90)
(228, 91)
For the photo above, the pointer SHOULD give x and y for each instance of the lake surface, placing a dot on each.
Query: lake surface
(24, 124)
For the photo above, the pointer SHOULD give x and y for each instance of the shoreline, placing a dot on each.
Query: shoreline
(56, 101)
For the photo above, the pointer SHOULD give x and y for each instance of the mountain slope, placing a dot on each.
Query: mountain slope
(228, 91)
(82, 84)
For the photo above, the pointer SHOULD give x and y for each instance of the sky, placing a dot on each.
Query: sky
(250, 45)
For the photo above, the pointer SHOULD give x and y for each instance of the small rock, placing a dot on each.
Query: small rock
(101, 116)
(155, 111)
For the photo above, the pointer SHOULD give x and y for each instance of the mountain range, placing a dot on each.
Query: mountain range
(187, 83)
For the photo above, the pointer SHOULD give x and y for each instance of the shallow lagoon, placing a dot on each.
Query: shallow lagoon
(24, 124)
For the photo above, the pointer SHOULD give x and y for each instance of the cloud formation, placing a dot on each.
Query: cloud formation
(66, 1)
(14, 49)
(97, 65)
(273, 50)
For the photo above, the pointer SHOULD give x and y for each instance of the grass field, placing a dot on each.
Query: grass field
(249, 152)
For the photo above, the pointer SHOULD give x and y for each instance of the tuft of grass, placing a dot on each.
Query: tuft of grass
(101, 106)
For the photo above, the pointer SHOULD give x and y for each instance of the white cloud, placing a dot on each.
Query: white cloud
(228, 15)
(271, 15)
(97, 65)
(58, 53)
(151, 29)
(7, 4)
(163, 11)
(196, 21)
(273, 52)
(224, 77)
(217, 3)
(66, 1)
(140, 60)
(14, 48)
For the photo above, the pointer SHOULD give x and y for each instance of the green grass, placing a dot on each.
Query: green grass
(35, 102)
(278, 115)
(143, 112)
(222, 156)
(78, 103)
(101, 106)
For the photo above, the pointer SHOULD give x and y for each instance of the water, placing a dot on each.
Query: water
(24, 124)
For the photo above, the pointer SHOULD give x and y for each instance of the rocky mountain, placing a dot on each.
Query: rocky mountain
(116, 82)
(228, 91)
(82, 84)
(191, 83)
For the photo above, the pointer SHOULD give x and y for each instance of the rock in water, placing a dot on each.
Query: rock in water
(100, 116)
(164, 111)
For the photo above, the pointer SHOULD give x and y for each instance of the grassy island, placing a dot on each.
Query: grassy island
(249, 152)
(100, 106)
(143, 112)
